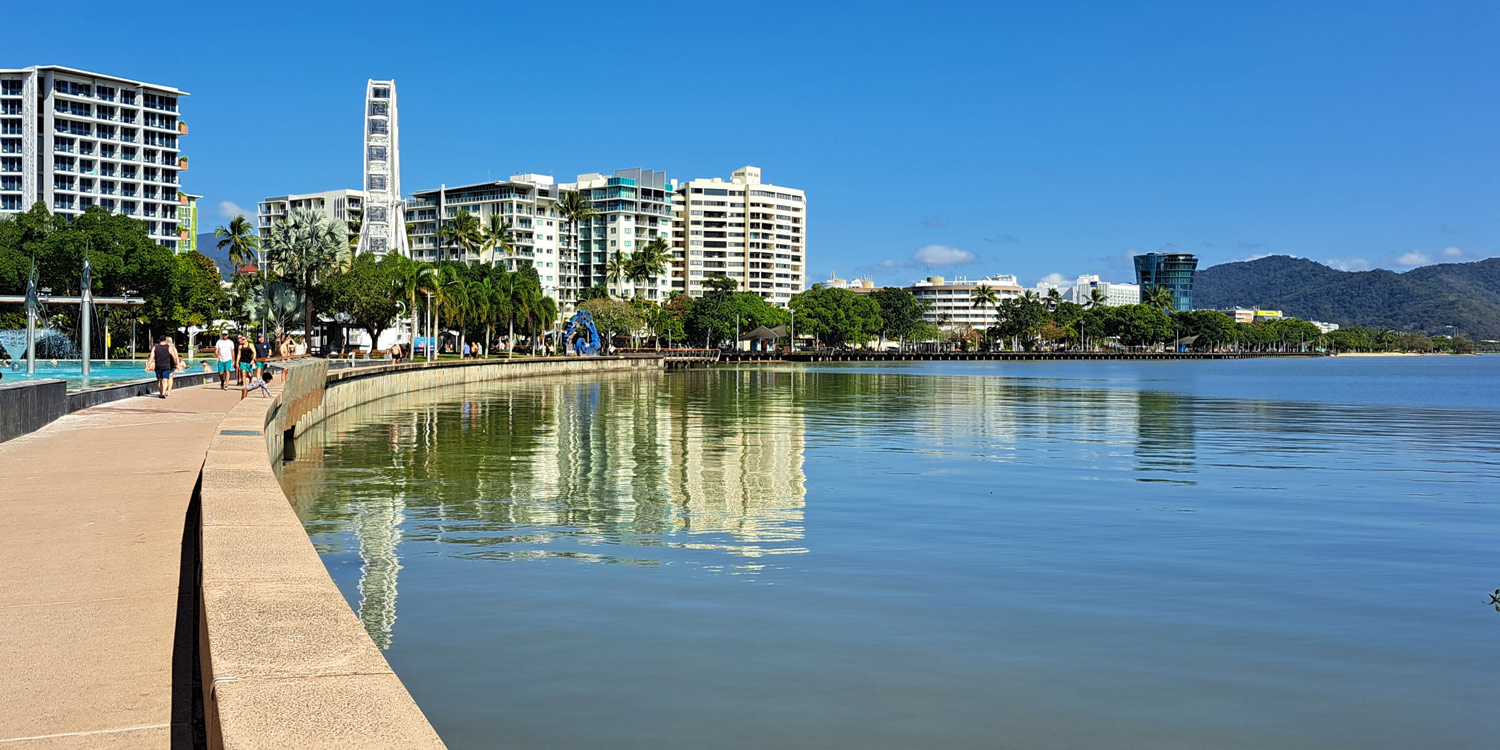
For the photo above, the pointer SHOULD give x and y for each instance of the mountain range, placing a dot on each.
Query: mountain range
(207, 244)
(1429, 299)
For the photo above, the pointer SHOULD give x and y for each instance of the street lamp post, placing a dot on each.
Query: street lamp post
(85, 307)
(128, 294)
(432, 340)
(792, 345)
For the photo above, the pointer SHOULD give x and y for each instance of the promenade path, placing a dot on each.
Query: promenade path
(92, 515)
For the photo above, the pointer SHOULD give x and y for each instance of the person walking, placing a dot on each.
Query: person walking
(164, 361)
(262, 349)
(247, 360)
(224, 356)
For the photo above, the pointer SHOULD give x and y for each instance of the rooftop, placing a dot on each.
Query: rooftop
(91, 74)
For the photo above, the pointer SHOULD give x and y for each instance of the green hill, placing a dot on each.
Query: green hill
(1426, 299)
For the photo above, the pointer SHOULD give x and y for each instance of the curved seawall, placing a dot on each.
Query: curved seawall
(285, 662)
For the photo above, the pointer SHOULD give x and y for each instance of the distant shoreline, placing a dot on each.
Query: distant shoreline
(1393, 354)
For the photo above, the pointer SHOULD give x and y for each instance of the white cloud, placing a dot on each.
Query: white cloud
(230, 209)
(1349, 264)
(1413, 258)
(942, 255)
(888, 263)
(1056, 279)
(1453, 252)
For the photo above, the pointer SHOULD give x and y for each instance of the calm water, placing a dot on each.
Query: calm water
(965, 555)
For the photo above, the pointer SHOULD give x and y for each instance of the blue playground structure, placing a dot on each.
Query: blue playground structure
(581, 335)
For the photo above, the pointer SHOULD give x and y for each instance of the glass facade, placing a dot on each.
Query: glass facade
(1171, 270)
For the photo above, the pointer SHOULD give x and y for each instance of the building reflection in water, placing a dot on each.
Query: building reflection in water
(633, 469)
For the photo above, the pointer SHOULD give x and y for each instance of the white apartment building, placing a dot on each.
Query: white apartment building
(634, 207)
(1115, 294)
(334, 203)
(752, 232)
(74, 139)
(528, 202)
(951, 301)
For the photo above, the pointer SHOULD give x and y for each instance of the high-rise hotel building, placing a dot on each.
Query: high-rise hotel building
(528, 202)
(752, 232)
(342, 205)
(74, 139)
(634, 207)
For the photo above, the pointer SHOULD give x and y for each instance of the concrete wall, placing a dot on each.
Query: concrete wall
(285, 662)
(29, 406)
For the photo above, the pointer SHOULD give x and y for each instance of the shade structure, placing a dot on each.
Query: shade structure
(763, 332)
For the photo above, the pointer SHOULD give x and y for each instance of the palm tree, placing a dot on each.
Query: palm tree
(463, 233)
(618, 268)
(574, 208)
(525, 298)
(1160, 298)
(985, 296)
(649, 262)
(409, 277)
(496, 303)
(1097, 299)
(240, 239)
(543, 311)
(497, 236)
(1054, 298)
(277, 306)
(303, 245)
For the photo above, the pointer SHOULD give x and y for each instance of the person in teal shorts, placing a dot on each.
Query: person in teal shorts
(224, 358)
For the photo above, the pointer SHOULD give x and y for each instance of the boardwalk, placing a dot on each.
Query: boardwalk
(94, 508)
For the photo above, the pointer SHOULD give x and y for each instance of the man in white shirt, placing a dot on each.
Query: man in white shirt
(224, 351)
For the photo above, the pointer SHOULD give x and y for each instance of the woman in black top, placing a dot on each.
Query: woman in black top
(247, 359)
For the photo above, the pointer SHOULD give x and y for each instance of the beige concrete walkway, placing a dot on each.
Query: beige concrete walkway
(92, 515)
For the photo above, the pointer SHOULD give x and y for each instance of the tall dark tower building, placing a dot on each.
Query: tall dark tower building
(1171, 270)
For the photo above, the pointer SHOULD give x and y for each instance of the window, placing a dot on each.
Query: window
(10, 87)
(378, 127)
(381, 92)
(377, 181)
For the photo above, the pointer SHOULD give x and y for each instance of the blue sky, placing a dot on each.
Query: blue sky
(954, 138)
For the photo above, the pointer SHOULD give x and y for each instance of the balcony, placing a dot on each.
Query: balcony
(182, 163)
(182, 199)
(181, 128)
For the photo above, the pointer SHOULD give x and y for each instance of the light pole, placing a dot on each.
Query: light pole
(85, 307)
(432, 340)
(265, 290)
(792, 345)
(128, 294)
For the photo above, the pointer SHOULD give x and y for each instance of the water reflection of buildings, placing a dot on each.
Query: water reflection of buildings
(740, 473)
(1015, 419)
(598, 468)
